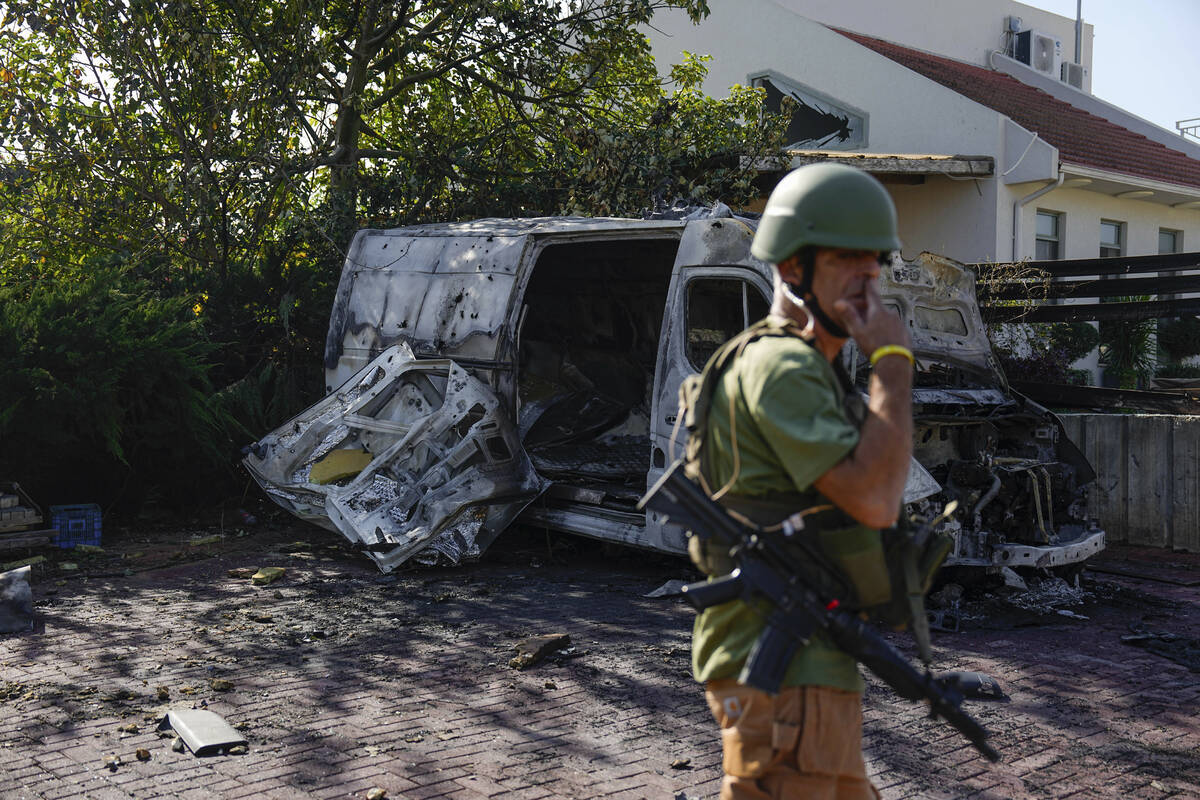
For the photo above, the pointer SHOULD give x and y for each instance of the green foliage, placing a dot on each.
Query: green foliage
(179, 183)
(1127, 350)
(1073, 340)
(105, 386)
(1174, 370)
(1179, 338)
(1048, 352)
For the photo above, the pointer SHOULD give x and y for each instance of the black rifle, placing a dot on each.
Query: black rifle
(767, 570)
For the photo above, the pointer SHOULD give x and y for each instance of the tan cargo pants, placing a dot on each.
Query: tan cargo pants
(804, 743)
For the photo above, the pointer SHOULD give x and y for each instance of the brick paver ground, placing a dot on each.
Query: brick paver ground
(344, 680)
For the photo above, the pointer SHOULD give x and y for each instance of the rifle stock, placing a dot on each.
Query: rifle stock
(765, 571)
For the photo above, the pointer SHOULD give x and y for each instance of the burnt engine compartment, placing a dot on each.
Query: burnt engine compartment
(1015, 477)
(587, 352)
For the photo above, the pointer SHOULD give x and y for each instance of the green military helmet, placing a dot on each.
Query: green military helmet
(827, 205)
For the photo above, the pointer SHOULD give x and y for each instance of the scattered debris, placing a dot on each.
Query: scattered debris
(242, 572)
(377, 794)
(238, 750)
(162, 692)
(130, 728)
(1047, 595)
(669, 589)
(550, 685)
(534, 649)
(1179, 649)
(177, 744)
(16, 601)
(681, 763)
(112, 762)
(204, 732)
(220, 684)
(267, 575)
(142, 754)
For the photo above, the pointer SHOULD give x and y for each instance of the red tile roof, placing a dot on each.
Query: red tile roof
(1081, 138)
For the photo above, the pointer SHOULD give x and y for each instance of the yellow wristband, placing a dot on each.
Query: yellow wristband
(892, 350)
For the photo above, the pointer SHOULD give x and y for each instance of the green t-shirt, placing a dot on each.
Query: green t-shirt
(791, 428)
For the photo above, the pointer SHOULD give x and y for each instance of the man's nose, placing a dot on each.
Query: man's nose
(868, 264)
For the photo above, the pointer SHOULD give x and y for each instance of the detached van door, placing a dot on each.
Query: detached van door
(717, 289)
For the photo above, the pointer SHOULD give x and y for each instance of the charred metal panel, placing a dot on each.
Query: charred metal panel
(936, 296)
(444, 295)
(446, 473)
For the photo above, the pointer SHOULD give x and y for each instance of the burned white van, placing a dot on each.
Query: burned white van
(485, 372)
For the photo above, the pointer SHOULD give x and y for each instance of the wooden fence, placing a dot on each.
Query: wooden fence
(1147, 488)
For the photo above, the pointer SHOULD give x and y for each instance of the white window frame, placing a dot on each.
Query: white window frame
(1058, 232)
(1121, 238)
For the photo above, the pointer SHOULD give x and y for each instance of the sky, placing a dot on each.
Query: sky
(1145, 57)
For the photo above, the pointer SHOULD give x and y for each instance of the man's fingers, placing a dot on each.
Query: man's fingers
(854, 321)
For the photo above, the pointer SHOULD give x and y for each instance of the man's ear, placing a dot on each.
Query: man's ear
(790, 269)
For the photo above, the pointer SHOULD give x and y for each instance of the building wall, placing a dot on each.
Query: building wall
(811, 55)
(966, 30)
(950, 217)
(1082, 211)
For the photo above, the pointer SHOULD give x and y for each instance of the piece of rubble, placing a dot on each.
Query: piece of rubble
(377, 794)
(220, 684)
(672, 588)
(267, 575)
(142, 754)
(16, 601)
(534, 649)
(162, 692)
(204, 732)
(681, 763)
(242, 572)
(177, 744)
(238, 750)
(112, 762)
(977, 685)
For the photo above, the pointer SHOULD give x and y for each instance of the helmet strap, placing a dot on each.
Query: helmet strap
(801, 294)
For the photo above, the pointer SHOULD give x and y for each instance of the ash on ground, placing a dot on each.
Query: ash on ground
(1044, 600)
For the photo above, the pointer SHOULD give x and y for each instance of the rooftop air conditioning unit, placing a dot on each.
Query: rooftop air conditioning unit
(1040, 51)
(1074, 74)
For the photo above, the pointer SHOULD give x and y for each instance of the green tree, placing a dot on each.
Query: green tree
(219, 154)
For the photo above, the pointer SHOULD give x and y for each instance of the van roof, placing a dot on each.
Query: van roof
(501, 226)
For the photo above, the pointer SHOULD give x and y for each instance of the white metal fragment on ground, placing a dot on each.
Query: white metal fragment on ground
(447, 471)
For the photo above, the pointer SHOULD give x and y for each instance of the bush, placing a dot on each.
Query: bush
(1180, 338)
(1073, 339)
(105, 392)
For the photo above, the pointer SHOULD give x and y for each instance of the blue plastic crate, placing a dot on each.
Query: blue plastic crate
(76, 524)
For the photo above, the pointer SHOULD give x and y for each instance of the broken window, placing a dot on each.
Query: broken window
(717, 310)
(817, 121)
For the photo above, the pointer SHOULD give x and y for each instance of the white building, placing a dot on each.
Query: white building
(987, 158)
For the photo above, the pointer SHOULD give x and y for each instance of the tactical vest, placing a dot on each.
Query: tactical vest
(880, 573)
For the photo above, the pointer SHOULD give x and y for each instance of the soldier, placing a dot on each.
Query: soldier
(782, 433)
